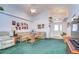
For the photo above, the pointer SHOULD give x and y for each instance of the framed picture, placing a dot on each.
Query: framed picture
(18, 24)
(21, 24)
(16, 28)
(24, 23)
(39, 26)
(27, 26)
(19, 28)
(22, 27)
(42, 25)
(13, 22)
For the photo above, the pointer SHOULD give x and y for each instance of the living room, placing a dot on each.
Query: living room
(38, 28)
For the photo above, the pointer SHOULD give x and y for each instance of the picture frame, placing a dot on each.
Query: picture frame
(18, 24)
(21, 24)
(13, 22)
(16, 28)
(26, 26)
(19, 28)
(42, 25)
(39, 26)
(22, 27)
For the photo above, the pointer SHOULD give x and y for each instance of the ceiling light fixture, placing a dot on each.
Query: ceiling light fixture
(33, 10)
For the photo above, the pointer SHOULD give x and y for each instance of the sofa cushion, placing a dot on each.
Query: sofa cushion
(5, 38)
(75, 43)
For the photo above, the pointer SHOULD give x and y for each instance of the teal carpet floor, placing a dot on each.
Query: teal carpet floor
(48, 46)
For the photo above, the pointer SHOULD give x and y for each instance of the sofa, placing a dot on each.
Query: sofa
(24, 36)
(75, 43)
(73, 46)
(5, 40)
(40, 35)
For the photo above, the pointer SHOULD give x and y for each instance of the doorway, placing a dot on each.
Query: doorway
(57, 27)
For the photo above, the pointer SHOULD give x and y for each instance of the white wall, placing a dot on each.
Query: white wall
(75, 9)
(42, 19)
(6, 21)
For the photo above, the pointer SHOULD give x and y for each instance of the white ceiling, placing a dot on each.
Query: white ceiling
(51, 8)
(39, 8)
(42, 7)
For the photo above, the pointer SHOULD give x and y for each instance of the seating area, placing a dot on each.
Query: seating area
(26, 36)
(73, 46)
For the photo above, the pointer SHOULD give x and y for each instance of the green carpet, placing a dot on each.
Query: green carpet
(48, 46)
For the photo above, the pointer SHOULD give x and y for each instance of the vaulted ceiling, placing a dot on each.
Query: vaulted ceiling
(54, 9)
(59, 9)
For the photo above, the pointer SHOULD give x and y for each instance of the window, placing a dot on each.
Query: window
(61, 27)
(58, 27)
(74, 27)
